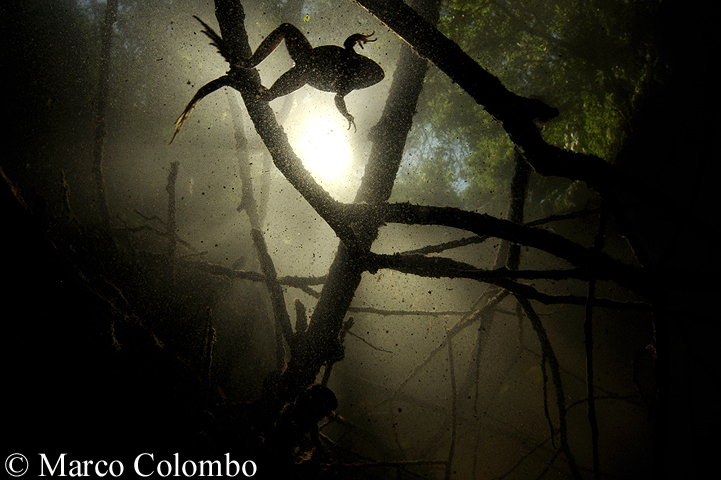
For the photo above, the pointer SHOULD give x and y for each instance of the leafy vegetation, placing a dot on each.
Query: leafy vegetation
(593, 60)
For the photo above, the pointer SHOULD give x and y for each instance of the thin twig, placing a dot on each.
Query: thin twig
(588, 341)
(454, 406)
(111, 11)
(171, 225)
(355, 335)
(489, 302)
(550, 356)
(282, 319)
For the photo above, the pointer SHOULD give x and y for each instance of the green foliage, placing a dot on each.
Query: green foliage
(591, 59)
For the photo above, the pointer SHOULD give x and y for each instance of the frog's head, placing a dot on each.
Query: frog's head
(364, 71)
(358, 38)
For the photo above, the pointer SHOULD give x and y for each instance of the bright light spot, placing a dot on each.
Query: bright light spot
(322, 141)
(323, 147)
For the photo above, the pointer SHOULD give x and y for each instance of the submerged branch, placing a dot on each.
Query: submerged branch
(171, 226)
(454, 408)
(517, 115)
(379, 349)
(601, 265)
(484, 305)
(588, 341)
(436, 267)
(111, 12)
(550, 356)
(282, 319)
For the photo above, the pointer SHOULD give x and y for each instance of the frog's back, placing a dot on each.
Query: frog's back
(335, 69)
(326, 66)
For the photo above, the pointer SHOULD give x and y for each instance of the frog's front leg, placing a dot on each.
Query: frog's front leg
(340, 104)
(298, 46)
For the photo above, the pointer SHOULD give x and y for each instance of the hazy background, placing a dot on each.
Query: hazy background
(455, 156)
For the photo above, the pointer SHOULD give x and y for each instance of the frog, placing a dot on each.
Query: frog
(329, 68)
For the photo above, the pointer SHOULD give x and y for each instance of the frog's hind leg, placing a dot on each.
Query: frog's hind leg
(298, 46)
(287, 83)
(204, 91)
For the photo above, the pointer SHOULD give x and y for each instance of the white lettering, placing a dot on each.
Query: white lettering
(228, 463)
(252, 464)
(137, 462)
(187, 468)
(170, 468)
(113, 464)
(44, 463)
(185, 463)
(210, 464)
(97, 470)
(76, 468)
(15, 472)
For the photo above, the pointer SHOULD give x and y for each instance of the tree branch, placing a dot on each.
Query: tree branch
(282, 319)
(601, 265)
(550, 356)
(516, 114)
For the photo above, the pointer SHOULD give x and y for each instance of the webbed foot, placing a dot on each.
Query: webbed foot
(351, 122)
(340, 104)
(223, 48)
(204, 91)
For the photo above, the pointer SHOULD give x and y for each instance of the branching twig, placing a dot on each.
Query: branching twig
(282, 319)
(602, 266)
(436, 267)
(442, 247)
(488, 302)
(561, 217)
(517, 114)
(628, 398)
(407, 313)
(550, 356)
(247, 202)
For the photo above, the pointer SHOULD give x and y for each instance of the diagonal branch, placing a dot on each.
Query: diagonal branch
(602, 266)
(430, 43)
(550, 356)
(282, 319)
(437, 267)
(516, 114)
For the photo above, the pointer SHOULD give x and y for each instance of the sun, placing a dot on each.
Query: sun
(322, 144)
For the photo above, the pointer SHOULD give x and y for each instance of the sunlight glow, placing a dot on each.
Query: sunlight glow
(323, 146)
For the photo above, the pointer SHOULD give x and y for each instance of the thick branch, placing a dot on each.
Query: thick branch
(431, 44)
(344, 275)
(516, 114)
(436, 267)
(600, 264)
